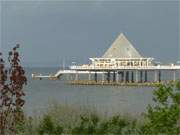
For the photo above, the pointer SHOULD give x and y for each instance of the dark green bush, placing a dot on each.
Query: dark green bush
(87, 125)
(114, 126)
(47, 127)
(164, 117)
(117, 125)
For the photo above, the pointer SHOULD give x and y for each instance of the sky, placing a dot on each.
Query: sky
(51, 32)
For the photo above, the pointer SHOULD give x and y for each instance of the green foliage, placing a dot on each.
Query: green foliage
(164, 117)
(20, 127)
(26, 127)
(47, 127)
(88, 125)
(115, 126)
(178, 85)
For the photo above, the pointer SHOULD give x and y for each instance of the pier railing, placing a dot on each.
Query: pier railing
(160, 67)
(86, 69)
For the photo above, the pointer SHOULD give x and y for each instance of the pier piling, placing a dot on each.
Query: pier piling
(159, 74)
(89, 76)
(174, 75)
(145, 79)
(76, 76)
(141, 76)
(114, 76)
(108, 76)
(95, 76)
(117, 76)
(136, 76)
(155, 76)
(124, 76)
(132, 76)
(102, 77)
(127, 76)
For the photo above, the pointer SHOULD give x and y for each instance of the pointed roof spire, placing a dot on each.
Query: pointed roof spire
(121, 48)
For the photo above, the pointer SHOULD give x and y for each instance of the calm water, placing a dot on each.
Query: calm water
(106, 99)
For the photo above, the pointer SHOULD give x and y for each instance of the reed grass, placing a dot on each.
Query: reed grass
(69, 120)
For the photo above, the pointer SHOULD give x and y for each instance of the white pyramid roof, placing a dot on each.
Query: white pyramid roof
(121, 48)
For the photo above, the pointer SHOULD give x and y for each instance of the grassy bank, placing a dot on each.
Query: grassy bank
(69, 120)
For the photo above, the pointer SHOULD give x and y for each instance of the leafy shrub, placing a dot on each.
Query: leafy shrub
(164, 118)
(116, 125)
(88, 125)
(12, 81)
(47, 127)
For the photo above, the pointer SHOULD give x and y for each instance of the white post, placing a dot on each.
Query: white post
(155, 76)
(102, 77)
(76, 77)
(117, 77)
(71, 77)
(67, 76)
(174, 75)
(124, 79)
(137, 76)
(89, 76)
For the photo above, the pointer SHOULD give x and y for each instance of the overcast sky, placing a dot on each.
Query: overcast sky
(52, 31)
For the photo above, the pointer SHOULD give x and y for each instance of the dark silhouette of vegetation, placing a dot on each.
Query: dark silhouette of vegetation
(11, 93)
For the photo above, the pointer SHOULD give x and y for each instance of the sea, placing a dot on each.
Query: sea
(104, 99)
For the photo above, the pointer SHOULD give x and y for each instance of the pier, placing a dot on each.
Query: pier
(120, 65)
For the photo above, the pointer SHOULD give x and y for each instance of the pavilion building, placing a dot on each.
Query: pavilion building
(125, 63)
(121, 53)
